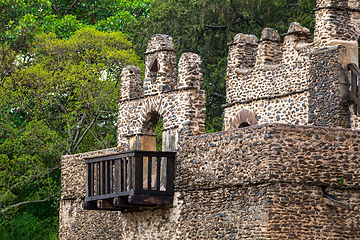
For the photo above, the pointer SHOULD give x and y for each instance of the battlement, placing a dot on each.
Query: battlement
(175, 98)
(161, 71)
(287, 81)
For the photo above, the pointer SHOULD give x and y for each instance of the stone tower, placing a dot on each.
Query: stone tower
(287, 165)
(160, 72)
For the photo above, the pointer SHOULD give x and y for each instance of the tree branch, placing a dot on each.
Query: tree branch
(23, 181)
(23, 203)
(85, 132)
(56, 10)
(241, 16)
(76, 137)
(69, 9)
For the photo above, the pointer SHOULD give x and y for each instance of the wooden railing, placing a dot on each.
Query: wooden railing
(129, 180)
(354, 92)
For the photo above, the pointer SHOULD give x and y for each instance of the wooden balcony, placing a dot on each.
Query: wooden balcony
(354, 91)
(130, 180)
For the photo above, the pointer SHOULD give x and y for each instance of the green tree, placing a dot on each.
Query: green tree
(21, 20)
(58, 98)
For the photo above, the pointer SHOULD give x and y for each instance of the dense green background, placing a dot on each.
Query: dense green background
(60, 64)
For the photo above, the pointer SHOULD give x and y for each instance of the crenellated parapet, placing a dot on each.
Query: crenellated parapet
(178, 101)
(269, 49)
(131, 83)
(190, 71)
(264, 68)
(297, 80)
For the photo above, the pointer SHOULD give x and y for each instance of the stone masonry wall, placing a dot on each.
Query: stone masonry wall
(160, 71)
(183, 110)
(275, 87)
(329, 87)
(291, 109)
(309, 86)
(178, 100)
(258, 182)
(335, 21)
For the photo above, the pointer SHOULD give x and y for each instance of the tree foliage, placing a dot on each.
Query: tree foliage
(58, 98)
(21, 20)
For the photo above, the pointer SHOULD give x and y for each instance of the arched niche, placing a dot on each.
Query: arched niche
(147, 139)
(244, 118)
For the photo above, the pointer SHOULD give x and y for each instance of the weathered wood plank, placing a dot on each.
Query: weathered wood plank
(87, 205)
(110, 195)
(123, 168)
(170, 175)
(90, 180)
(97, 192)
(152, 200)
(354, 98)
(105, 203)
(111, 176)
(106, 177)
(121, 201)
(117, 176)
(354, 68)
(114, 156)
(102, 178)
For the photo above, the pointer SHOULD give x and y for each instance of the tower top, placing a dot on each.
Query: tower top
(160, 42)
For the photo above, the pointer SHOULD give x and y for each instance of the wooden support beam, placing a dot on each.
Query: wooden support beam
(152, 200)
(121, 202)
(138, 172)
(89, 205)
(158, 168)
(90, 179)
(170, 177)
(102, 179)
(105, 204)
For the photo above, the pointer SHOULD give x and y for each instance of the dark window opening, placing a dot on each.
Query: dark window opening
(155, 66)
(244, 124)
(154, 70)
(150, 123)
(153, 126)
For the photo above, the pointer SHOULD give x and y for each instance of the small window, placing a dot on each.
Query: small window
(154, 66)
(244, 124)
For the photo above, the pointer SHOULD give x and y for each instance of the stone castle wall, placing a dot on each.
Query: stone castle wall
(168, 92)
(265, 181)
(183, 110)
(265, 75)
(309, 86)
